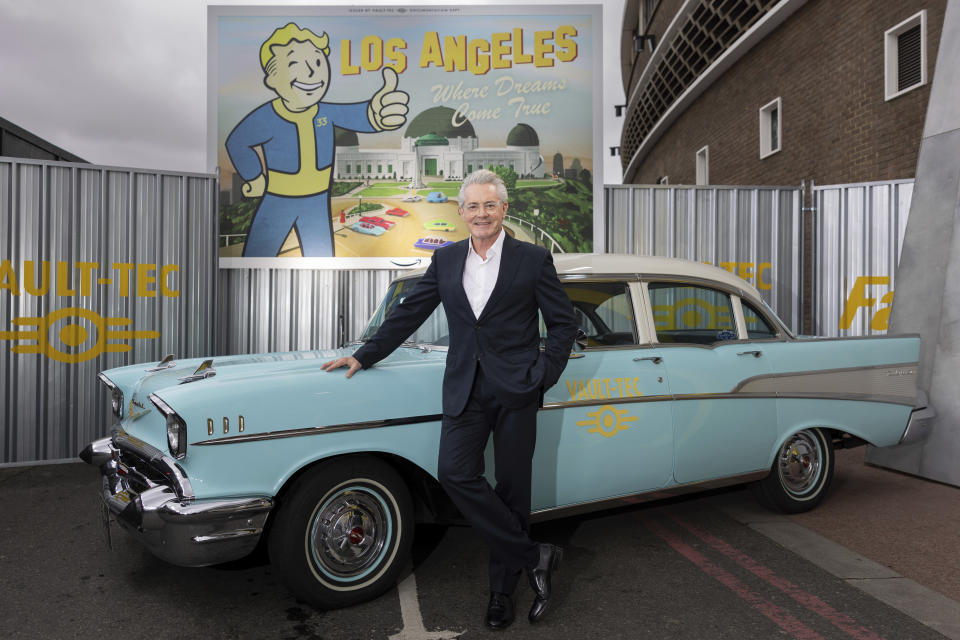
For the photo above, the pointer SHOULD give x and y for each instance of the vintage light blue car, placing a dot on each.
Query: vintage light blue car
(683, 379)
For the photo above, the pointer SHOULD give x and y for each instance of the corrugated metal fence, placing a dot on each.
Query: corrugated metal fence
(290, 309)
(99, 267)
(754, 232)
(857, 245)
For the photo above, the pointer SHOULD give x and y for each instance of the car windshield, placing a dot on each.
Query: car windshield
(432, 332)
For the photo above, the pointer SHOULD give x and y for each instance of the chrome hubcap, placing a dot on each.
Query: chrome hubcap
(800, 462)
(348, 533)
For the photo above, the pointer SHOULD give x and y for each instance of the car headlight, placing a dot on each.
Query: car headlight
(176, 428)
(176, 436)
(116, 395)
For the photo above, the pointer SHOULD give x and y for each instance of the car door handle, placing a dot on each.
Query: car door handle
(755, 354)
(654, 359)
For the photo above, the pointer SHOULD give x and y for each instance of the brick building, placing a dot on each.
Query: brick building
(774, 92)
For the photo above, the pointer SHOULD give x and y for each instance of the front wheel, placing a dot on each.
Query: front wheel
(800, 475)
(344, 533)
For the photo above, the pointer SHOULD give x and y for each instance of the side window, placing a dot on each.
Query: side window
(691, 314)
(604, 312)
(757, 327)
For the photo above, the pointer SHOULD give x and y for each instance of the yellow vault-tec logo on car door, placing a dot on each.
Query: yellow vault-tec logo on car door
(607, 421)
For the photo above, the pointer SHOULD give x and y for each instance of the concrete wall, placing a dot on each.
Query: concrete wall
(928, 291)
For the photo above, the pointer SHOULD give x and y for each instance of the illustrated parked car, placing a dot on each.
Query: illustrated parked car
(439, 225)
(380, 222)
(683, 379)
(436, 196)
(368, 228)
(431, 242)
(397, 211)
(413, 198)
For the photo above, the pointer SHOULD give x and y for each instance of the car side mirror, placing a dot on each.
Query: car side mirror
(580, 340)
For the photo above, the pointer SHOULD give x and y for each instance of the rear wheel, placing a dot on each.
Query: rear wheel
(344, 533)
(801, 473)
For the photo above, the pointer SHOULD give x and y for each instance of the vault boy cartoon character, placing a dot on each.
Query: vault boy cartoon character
(295, 133)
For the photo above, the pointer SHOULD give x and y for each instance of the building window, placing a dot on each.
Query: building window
(770, 128)
(368, 169)
(905, 56)
(703, 165)
(390, 168)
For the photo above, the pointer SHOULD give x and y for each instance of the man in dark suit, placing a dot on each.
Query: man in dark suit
(491, 287)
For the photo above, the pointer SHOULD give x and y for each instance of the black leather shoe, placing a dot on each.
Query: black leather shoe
(499, 611)
(539, 575)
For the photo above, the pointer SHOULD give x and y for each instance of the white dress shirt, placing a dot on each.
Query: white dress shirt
(480, 276)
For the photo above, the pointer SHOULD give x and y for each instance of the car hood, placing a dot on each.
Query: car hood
(277, 391)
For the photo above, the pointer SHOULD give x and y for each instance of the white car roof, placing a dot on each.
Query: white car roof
(591, 264)
(649, 267)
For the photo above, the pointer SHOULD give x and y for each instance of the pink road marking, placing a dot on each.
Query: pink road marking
(775, 614)
(840, 620)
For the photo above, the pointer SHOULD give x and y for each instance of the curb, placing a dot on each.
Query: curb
(926, 606)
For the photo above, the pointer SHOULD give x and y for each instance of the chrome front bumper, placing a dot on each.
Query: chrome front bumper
(921, 421)
(150, 496)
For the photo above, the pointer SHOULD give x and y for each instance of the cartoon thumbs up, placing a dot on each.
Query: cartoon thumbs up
(388, 106)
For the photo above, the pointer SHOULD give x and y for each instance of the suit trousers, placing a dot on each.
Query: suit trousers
(501, 515)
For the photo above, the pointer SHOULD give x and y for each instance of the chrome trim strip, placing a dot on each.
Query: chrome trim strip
(568, 404)
(644, 496)
(732, 395)
(599, 277)
(105, 380)
(161, 406)
(228, 535)
(314, 431)
(817, 372)
(617, 347)
(741, 395)
(845, 338)
(799, 395)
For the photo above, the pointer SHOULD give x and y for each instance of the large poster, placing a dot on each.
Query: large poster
(342, 134)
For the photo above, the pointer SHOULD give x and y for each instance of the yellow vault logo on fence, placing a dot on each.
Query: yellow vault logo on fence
(75, 334)
(72, 334)
(607, 421)
(863, 295)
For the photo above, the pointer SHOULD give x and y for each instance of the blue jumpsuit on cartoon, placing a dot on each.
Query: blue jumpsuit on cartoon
(298, 150)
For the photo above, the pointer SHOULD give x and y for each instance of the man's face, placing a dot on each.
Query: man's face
(299, 73)
(482, 211)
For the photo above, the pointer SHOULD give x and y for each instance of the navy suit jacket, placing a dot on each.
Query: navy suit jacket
(504, 340)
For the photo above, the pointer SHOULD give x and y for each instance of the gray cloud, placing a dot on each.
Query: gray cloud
(120, 82)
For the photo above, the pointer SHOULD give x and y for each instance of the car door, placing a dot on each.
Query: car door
(605, 429)
(707, 354)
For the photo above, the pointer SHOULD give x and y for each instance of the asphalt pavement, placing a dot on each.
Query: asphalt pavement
(709, 566)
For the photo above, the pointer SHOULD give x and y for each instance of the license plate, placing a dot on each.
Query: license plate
(104, 514)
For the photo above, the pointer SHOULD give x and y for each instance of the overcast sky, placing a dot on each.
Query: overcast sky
(122, 82)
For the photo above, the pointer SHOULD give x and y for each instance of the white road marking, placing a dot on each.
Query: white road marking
(412, 618)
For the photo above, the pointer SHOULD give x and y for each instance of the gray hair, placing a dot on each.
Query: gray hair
(483, 176)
